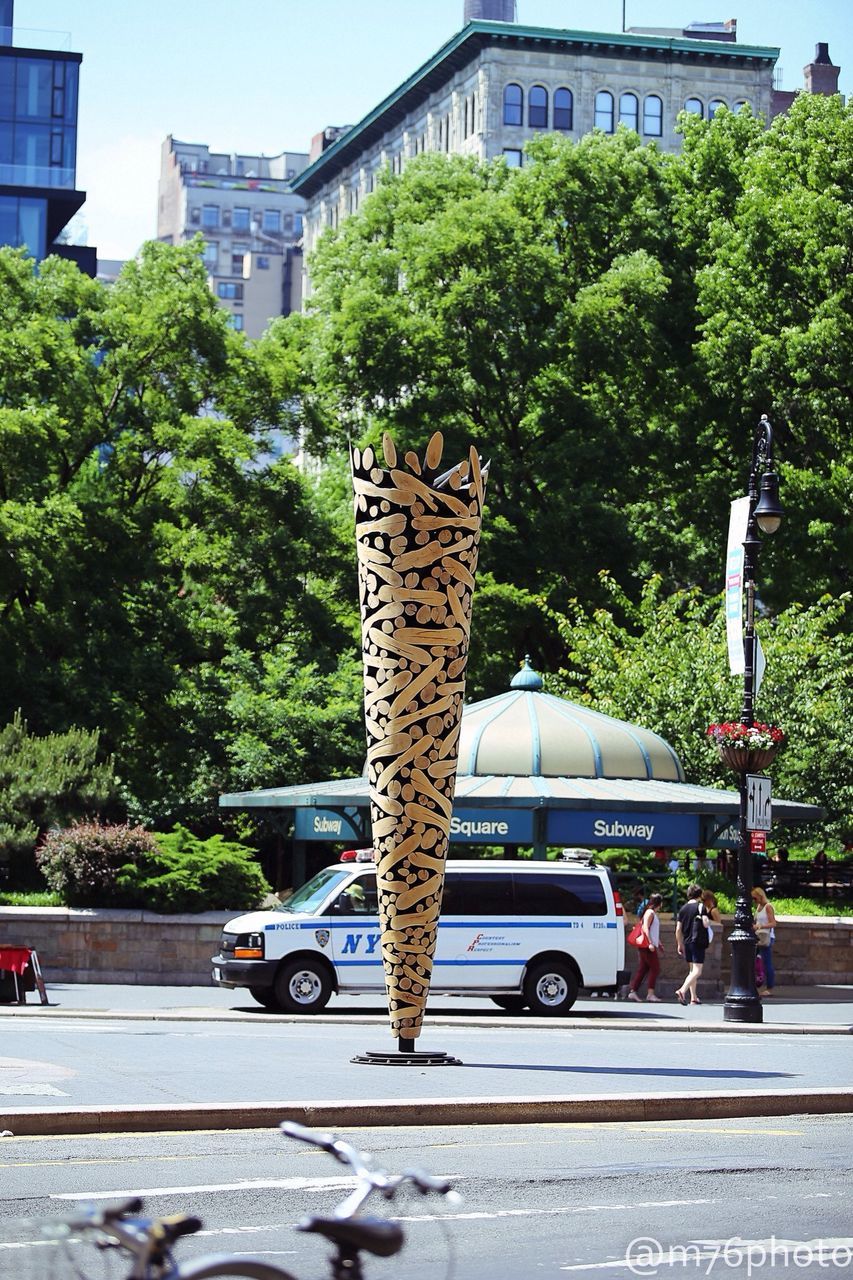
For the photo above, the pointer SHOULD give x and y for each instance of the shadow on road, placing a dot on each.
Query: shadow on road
(690, 1073)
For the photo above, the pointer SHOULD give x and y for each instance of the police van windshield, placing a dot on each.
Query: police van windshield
(308, 896)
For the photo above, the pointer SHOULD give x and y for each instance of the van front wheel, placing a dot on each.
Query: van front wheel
(551, 988)
(303, 986)
(512, 1004)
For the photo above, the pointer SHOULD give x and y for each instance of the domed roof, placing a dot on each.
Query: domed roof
(528, 733)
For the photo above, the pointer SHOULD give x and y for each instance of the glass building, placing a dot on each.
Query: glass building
(38, 140)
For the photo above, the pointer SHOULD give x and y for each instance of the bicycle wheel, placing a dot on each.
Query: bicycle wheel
(223, 1266)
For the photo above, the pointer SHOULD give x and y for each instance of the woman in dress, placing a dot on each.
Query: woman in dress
(765, 931)
(649, 955)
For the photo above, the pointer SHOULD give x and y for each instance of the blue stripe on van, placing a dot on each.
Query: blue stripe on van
(375, 960)
(365, 922)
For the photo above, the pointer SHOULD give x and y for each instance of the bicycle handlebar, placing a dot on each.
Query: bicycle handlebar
(370, 1179)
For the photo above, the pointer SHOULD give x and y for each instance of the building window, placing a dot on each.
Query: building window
(653, 116)
(272, 221)
(447, 132)
(563, 105)
(742, 102)
(713, 107)
(210, 216)
(236, 322)
(696, 106)
(262, 262)
(629, 111)
(211, 253)
(230, 289)
(537, 107)
(237, 264)
(513, 157)
(513, 104)
(240, 218)
(604, 111)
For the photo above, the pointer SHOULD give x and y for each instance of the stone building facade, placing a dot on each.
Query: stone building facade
(490, 88)
(245, 208)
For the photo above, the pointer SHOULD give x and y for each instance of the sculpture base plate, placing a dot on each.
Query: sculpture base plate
(410, 1058)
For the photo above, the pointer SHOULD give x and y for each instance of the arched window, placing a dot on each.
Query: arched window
(742, 102)
(604, 111)
(696, 106)
(563, 109)
(537, 107)
(652, 116)
(629, 111)
(713, 107)
(513, 104)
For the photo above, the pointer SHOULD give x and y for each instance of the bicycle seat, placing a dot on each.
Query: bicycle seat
(179, 1224)
(374, 1235)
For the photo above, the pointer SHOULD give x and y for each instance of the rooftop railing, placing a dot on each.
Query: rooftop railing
(35, 38)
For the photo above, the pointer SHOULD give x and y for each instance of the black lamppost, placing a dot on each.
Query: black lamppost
(742, 1003)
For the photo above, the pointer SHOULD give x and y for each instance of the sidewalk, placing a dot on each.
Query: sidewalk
(97, 1048)
(826, 1010)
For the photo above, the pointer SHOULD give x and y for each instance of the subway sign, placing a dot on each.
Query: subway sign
(330, 824)
(485, 826)
(622, 830)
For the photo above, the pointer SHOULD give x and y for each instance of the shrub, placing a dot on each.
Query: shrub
(90, 865)
(45, 782)
(185, 873)
(83, 862)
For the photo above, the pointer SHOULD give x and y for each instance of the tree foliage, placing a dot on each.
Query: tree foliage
(607, 324)
(662, 662)
(153, 554)
(46, 781)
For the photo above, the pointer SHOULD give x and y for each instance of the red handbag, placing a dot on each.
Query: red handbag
(637, 938)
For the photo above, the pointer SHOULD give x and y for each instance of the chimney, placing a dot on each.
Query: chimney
(490, 11)
(820, 76)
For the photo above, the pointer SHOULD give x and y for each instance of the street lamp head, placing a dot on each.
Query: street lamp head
(768, 510)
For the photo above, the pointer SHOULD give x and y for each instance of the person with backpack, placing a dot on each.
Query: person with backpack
(691, 939)
(649, 951)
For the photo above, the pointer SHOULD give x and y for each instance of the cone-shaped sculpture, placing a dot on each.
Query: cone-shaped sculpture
(418, 536)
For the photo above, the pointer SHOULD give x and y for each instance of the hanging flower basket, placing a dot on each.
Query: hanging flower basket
(745, 759)
(746, 748)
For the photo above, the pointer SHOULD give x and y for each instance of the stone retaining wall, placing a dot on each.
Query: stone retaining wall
(116, 946)
(139, 947)
(808, 951)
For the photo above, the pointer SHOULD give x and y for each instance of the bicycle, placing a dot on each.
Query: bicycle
(149, 1241)
(351, 1234)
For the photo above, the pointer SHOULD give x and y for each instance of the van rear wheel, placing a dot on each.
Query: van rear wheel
(551, 988)
(512, 1004)
(303, 986)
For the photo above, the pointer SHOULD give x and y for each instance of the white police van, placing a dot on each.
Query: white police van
(526, 934)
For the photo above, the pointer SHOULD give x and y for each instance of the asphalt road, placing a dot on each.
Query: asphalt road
(86, 1062)
(755, 1198)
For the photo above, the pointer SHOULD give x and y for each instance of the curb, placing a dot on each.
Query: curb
(647, 1022)
(380, 1112)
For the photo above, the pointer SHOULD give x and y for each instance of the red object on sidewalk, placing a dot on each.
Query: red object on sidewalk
(15, 959)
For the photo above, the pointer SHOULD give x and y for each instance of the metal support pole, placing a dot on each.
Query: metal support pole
(743, 1003)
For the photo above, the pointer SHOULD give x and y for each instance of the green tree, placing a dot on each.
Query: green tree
(666, 667)
(769, 214)
(45, 782)
(150, 546)
(530, 312)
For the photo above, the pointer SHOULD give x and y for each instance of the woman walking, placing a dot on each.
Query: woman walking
(691, 938)
(765, 932)
(649, 955)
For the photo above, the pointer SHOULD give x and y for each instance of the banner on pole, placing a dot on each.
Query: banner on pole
(738, 520)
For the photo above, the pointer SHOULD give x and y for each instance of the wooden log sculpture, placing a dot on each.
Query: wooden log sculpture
(417, 534)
